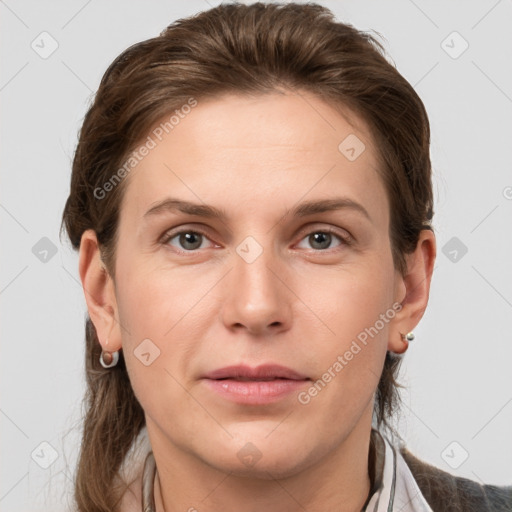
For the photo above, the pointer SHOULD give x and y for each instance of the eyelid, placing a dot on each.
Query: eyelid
(341, 233)
(178, 230)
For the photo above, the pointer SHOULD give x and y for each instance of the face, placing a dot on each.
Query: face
(256, 303)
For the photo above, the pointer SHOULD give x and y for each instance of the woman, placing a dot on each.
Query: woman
(251, 199)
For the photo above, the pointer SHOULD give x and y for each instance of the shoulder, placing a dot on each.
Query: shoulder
(446, 492)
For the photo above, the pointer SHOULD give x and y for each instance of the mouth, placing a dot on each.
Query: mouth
(255, 386)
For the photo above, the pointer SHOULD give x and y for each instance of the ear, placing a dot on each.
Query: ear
(412, 290)
(99, 292)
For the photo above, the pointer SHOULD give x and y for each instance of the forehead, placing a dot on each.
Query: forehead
(248, 151)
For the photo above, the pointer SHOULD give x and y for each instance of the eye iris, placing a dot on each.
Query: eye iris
(188, 238)
(324, 239)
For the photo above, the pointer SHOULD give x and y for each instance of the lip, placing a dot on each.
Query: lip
(264, 371)
(261, 385)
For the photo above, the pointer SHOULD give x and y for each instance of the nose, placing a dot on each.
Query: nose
(256, 297)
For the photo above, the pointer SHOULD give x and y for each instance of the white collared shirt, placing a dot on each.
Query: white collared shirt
(398, 491)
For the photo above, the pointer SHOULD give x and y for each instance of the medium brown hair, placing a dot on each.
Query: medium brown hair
(243, 49)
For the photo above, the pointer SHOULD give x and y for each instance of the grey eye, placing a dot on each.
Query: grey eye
(190, 240)
(320, 240)
(187, 240)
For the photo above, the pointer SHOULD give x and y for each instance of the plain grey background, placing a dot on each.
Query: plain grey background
(457, 411)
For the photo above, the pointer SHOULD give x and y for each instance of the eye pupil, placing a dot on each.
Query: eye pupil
(324, 239)
(188, 238)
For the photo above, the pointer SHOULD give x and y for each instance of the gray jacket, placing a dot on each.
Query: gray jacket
(447, 493)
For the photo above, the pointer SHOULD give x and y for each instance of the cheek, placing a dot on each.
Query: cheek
(165, 314)
(154, 310)
(355, 306)
(154, 298)
(351, 298)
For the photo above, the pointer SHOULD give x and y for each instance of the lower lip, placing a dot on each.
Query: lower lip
(254, 391)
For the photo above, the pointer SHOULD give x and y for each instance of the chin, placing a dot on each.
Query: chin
(254, 453)
(271, 467)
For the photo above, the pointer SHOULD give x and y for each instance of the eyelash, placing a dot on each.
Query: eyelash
(346, 240)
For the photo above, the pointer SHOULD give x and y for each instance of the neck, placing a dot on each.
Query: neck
(339, 481)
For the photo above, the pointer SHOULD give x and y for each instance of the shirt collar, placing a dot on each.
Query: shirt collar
(398, 490)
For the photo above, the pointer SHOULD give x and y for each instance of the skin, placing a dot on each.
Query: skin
(299, 303)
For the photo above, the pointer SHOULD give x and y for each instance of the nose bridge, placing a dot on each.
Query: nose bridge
(256, 297)
(254, 267)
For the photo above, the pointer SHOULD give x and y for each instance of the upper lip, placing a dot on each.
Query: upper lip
(265, 371)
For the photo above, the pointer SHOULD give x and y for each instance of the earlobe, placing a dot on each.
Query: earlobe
(406, 339)
(416, 281)
(98, 290)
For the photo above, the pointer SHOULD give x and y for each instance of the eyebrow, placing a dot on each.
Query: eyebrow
(302, 210)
